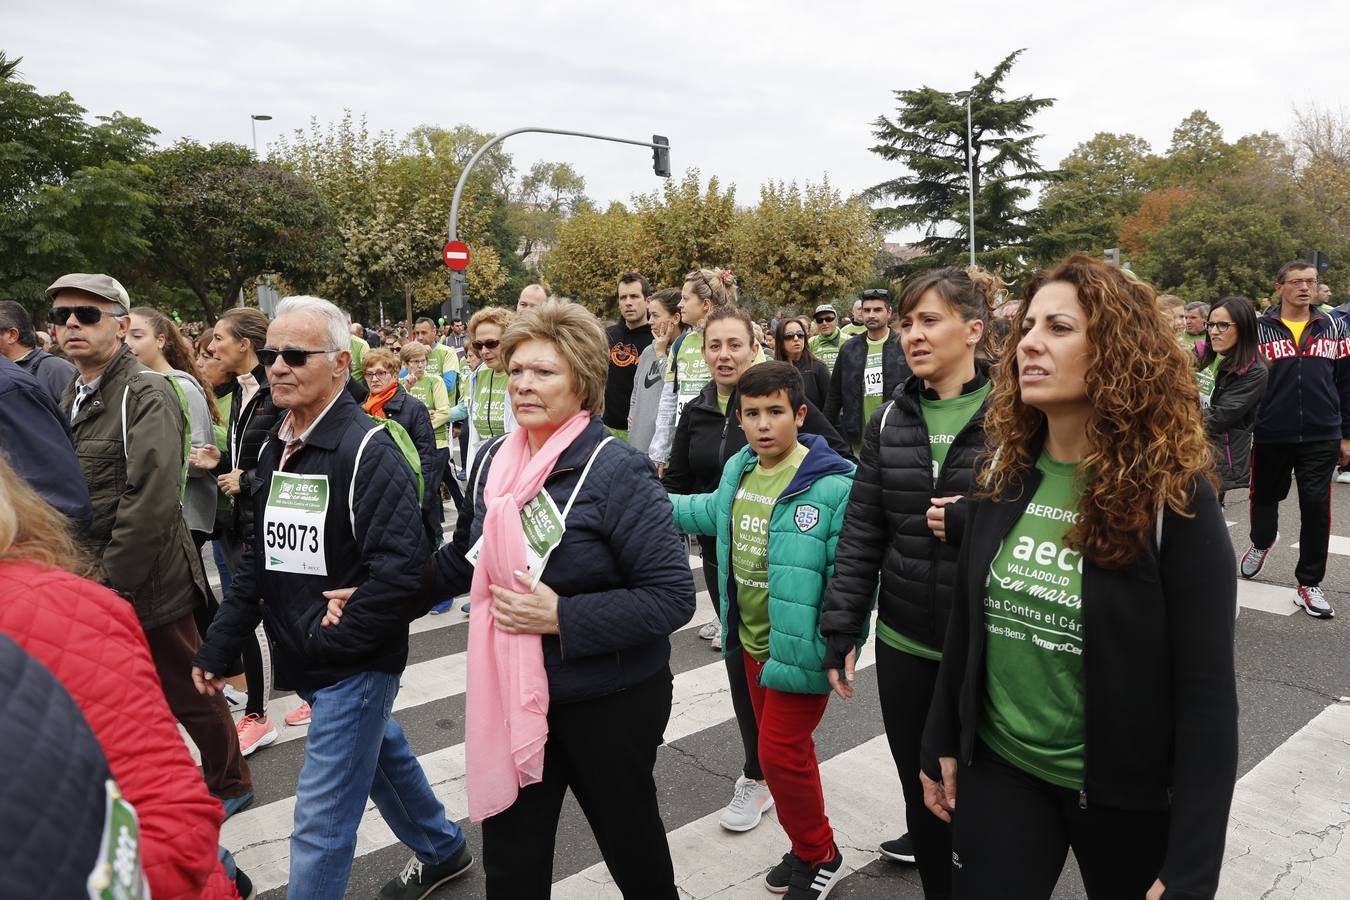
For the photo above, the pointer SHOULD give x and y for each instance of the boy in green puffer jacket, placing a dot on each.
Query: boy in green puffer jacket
(777, 514)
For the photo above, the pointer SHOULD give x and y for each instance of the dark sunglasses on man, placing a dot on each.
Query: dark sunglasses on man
(291, 356)
(876, 294)
(828, 317)
(489, 344)
(85, 315)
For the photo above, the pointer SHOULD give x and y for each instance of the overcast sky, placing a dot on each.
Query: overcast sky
(745, 89)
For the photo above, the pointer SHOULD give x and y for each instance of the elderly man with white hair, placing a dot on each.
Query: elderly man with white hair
(336, 505)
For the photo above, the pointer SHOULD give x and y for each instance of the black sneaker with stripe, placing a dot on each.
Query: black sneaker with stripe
(815, 882)
(779, 878)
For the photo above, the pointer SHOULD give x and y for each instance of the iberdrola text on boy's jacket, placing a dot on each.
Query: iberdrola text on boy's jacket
(803, 532)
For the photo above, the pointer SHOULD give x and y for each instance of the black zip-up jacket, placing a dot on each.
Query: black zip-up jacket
(815, 379)
(1308, 392)
(383, 558)
(706, 438)
(886, 533)
(844, 405)
(1228, 421)
(245, 433)
(621, 573)
(1159, 683)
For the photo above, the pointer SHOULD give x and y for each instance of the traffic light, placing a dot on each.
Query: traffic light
(1321, 261)
(661, 156)
(1112, 256)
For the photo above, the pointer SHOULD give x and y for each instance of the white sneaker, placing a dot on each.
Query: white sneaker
(235, 698)
(711, 631)
(717, 640)
(1343, 477)
(750, 801)
(1313, 602)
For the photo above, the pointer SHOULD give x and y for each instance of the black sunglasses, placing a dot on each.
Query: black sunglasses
(292, 357)
(876, 294)
(489, 344)
(85, 315)
(793, 336)
(825, 318)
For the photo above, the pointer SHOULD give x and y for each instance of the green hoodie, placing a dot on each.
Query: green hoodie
(803, 532)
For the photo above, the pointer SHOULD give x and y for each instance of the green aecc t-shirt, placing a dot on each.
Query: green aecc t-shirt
(751, 509)
(1033, 704)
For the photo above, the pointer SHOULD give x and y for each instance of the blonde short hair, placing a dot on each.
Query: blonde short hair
(380, 355)
(412, 350)
(579, 339)
(491, 315)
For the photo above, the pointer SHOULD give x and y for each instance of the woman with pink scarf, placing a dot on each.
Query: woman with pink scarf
(577, 579)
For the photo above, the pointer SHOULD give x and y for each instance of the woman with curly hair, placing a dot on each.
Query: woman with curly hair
(1086, 696)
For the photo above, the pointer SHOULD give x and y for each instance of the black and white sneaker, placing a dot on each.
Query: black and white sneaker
(1313, 602)
(815, 882)
(417, 881)
(779, 878)
(900, 850)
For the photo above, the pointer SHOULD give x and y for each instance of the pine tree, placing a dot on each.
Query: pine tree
(928, 137)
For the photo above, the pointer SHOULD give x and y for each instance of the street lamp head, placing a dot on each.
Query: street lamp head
(261, 118)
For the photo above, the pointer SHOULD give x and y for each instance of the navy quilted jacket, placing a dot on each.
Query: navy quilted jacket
(384, 559)
(621, 572)
(53, 766)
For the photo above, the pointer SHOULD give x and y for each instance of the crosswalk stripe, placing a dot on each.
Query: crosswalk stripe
(259, 837)
(1335, 544)
(1289, 816)
(712, 862)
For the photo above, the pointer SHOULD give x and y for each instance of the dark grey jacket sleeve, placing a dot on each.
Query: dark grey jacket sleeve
(35, 439)
(650, 556)
(1240, 396)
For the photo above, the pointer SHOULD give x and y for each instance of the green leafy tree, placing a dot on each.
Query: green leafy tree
(222, 218)
(1232, 237)
(802, 246)
(683, 227)
(593, 249)
(73, 194)
(927, 137)
(1101, 182)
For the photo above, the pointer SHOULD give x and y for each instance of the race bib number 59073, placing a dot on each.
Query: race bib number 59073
(293, 523)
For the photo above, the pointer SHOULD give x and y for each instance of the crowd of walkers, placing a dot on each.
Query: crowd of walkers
(981, 480)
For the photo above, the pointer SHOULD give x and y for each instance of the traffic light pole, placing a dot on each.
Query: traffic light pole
(457, 278)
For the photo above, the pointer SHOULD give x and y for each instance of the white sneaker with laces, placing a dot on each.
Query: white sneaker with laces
(1313, 602)
(1343, 477)
(749, 802)
(710, 631)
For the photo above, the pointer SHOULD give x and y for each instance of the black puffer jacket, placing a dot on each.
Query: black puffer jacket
(886, 527)
(706, 438)
(53, 763)
(245, 434)
(1229, 419)
(382, 556)
(621, 574)
(412, 414)
(844, 405)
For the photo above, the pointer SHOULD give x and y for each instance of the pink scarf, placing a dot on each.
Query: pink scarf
(506, 702)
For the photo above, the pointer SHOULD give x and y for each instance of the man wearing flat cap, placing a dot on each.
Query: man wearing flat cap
(128, 428)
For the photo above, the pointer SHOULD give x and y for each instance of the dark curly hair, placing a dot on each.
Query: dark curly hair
(1146, 438)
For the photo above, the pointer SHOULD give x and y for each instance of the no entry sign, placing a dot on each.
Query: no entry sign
(456, 255)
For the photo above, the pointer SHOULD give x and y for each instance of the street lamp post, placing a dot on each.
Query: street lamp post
(661, 165)
(253, 121)
(970, 168)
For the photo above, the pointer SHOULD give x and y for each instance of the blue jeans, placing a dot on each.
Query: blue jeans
(354, 751)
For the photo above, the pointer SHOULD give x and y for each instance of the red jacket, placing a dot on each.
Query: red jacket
(91, 640)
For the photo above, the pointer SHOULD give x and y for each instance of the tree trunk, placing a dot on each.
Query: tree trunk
(208, 307)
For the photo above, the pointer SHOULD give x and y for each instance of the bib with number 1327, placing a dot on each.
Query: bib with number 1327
(293, 523)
